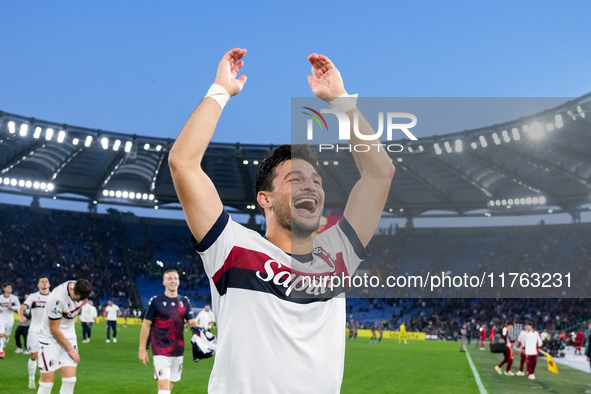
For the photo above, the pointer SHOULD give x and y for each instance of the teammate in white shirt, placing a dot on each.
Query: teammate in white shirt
(205, 318)
(9, 304)
(36, 304)
(113, 312)
(271, 338)
(59, 348)
(531, 342)
(88, 316)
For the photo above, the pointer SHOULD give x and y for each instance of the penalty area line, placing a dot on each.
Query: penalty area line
(476, 375)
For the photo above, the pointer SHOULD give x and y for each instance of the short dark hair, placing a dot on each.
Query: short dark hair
(6, 284)
(509, 323)
(167, 271)
(82, 288)
(41, 277)
(266, 172)
(529, 323)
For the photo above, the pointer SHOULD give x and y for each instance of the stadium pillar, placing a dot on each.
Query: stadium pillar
(409, 223)
(35, 203)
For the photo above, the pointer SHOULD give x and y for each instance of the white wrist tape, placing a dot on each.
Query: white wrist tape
(219, 94)
(344, 102)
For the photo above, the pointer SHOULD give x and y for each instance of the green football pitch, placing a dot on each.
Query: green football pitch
(389, 367)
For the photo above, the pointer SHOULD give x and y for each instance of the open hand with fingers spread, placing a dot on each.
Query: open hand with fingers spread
(326, 81)
(228, 69)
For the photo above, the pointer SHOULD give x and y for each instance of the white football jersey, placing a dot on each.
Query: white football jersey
(532, 341)
(8, 305)
(277, 332)
(112, 312)
(36, 303)
(61, 307)
(204, 319)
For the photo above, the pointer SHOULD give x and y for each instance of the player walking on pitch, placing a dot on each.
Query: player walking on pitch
(374, 336)
(532, 342)
(36, 303)
(261, 280)
(508, 353)
(164, 322)
(522, 357)
(113, 312)
(57, 339)
(88, 316)
(402, 333)
(9, 304)
(482, 336)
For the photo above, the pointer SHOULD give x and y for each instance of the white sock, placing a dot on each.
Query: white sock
(32, 369)
(45, 388)
(68, 385)
(1, 344)
(163, 391)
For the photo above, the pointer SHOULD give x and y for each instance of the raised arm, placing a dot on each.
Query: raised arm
(367, 199)
(197, 194)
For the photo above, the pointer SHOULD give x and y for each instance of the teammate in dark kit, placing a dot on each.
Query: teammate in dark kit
(164, 322)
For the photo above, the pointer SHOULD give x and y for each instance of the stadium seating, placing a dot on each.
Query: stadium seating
(123, 256)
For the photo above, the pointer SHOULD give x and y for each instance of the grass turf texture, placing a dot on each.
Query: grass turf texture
(569, 380)
(389, 367)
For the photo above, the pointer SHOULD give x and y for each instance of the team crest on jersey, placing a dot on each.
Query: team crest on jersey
(164, 303)
(172, 303)
(181, 304)
(324, 255)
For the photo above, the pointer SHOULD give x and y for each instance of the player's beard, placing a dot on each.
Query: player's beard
(298, 228)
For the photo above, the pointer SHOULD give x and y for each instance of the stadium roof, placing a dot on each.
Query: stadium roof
(520, 167)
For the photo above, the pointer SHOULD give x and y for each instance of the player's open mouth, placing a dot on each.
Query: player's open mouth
(305, 205)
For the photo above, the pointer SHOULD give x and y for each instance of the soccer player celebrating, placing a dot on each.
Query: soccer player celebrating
(113, 312)
(508, 353)
(531, 343)
(164, 322)
(9, 304)
(57, 339)
(36, 303)
(295, 342)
